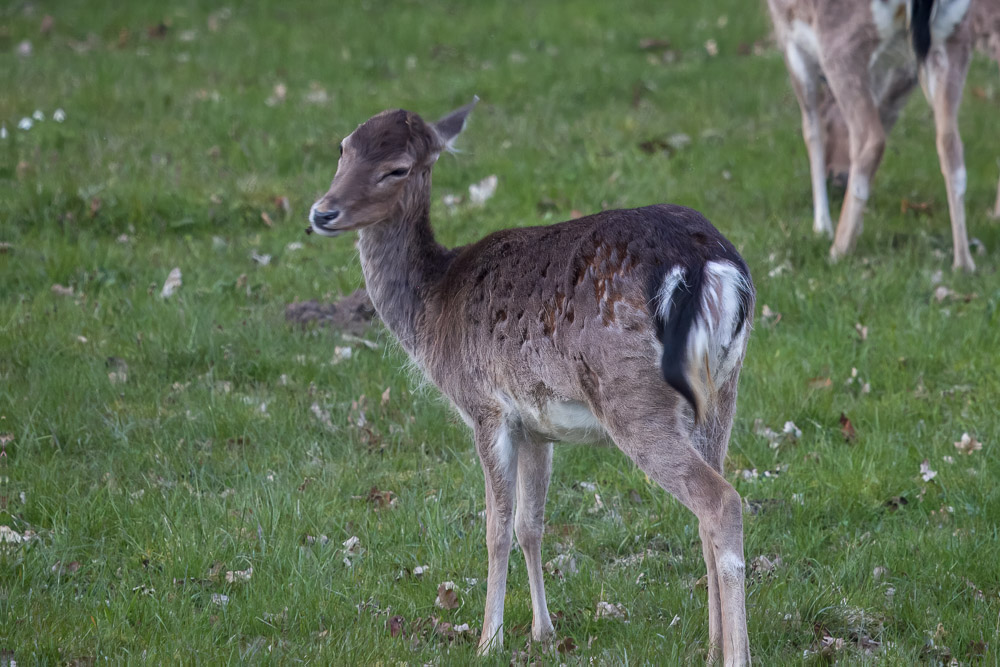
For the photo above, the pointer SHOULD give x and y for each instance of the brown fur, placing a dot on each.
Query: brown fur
(530, 321)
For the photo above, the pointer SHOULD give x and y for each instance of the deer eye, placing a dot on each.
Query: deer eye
(395, 173)
(341, 149)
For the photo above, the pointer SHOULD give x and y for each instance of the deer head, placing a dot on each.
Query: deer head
(383, 165)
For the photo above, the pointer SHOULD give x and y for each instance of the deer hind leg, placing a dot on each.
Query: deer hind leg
(805, 76)
(498, 448)
(659, 448)
(850, 85)
(534, 469)
(944, 79)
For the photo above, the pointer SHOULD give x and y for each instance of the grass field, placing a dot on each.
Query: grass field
(153, 445)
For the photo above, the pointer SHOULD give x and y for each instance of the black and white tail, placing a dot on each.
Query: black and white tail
(920, 27)
(703, 315)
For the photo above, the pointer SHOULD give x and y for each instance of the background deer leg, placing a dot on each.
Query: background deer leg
(534, 468)
(944, 79)
(851, 88)
(806, 81)
(498, 454)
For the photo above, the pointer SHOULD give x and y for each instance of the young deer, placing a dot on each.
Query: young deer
(984, 29)
(862, 49)
(625, 326)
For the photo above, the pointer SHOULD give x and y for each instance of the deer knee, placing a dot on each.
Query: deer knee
(528, 531)
(868, 149)
(949, 146)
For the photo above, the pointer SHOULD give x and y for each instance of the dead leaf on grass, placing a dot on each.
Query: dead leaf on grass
(239, 576)
(610, 611)
(925, 471)
(397, 626)
(566, 645)
(820, 383)
(352, 549)
(447, 596)
(769, 316)
(380, 499)
(653, 44)
(919, 207)
(847, 428)
(562, 566)
(172, 283)
(968, 444)
(158, 31)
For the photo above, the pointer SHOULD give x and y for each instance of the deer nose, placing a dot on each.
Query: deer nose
(323, 217)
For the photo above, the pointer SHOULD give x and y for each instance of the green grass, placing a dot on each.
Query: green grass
(168, 156)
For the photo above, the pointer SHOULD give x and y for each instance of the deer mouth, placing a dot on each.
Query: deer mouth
(323, 230)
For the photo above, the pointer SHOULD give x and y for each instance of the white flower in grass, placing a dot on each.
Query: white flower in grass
(38, 115)
(25, 124)
(3, 131)
(59, 115)
(925, 471)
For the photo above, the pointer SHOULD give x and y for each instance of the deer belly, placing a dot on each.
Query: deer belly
(565, 421)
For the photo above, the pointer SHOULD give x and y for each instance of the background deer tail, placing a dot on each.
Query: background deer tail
(920, 27)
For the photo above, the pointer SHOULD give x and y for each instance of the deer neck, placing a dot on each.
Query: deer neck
(402, 266)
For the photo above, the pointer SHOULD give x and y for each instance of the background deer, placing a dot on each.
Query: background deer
(863, 50)
(984, 30)
(628, 326)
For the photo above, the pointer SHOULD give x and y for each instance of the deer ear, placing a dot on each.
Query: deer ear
(449, 127)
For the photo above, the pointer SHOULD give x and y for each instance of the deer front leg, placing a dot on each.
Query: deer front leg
(534, 468)
(498, 454)
(945, 71)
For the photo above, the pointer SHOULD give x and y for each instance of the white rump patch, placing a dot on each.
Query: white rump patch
(711, 333)
(945, 16)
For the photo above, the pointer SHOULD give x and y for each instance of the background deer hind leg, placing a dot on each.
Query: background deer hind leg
(805, 76)
(943, 81)
(850, 83)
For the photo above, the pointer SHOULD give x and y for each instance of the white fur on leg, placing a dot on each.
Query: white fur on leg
(499, 529)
